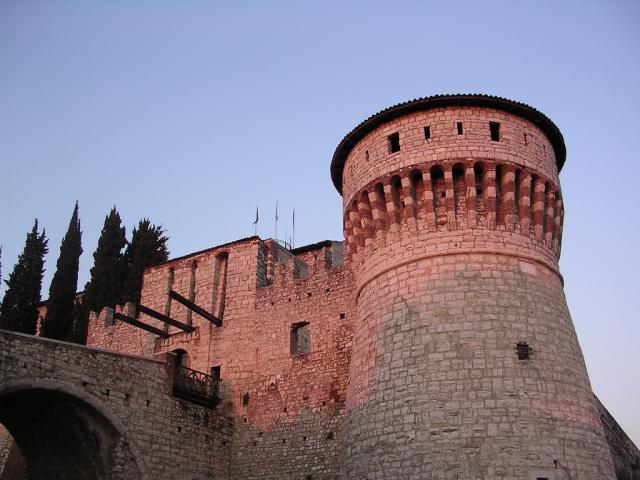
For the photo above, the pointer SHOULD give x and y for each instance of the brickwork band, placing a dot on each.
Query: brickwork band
(454, 240)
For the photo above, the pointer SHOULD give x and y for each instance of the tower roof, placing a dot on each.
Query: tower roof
(523, 110)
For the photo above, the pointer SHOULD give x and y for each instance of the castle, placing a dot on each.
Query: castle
(435, 342)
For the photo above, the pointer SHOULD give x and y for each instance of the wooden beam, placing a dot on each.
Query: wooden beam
(139, 324)
(165, 318)
(192, 306)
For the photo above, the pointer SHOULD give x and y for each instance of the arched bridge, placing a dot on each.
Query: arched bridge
(83, 413)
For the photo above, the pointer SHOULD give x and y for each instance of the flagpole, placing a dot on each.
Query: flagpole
(276, 234)
(293, 234)
(255, 223)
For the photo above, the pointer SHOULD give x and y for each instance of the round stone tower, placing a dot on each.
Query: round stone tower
(465, 360)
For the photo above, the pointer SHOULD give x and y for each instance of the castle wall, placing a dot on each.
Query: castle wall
(78, 413)
(626, 456)
(454, 243)
(434, 343)
(288, 407)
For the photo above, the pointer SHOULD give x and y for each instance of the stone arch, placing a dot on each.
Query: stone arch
(182, 358)
(64, 432)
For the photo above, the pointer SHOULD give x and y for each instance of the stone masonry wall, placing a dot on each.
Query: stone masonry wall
(52, 393)
(454, 242)
(436, 384)
(288, 408)
(626, 456)
(450, 261)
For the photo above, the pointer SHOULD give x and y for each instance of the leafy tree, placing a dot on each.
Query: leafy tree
(148, 246)
(58, 323)
(105, 286)
(20, 303)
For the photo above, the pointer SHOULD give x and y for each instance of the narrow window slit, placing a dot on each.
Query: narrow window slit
(394, 142)
(459, 127)
(427, 133)
(494, 128)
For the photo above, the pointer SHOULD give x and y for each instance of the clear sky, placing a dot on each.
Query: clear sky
(192, 113)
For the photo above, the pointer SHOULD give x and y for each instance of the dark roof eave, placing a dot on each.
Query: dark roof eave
(427, 103)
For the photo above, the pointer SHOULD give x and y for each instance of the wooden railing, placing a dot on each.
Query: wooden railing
(196, 386)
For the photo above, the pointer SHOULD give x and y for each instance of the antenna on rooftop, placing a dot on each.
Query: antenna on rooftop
(293, 234)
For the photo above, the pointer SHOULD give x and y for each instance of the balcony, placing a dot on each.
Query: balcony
(197, 387)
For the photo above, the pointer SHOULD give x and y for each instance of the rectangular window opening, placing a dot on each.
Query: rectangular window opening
(300, 338)
(459, 127)
(523, 350)
(494, 128)
(394, 142)
(427, 133)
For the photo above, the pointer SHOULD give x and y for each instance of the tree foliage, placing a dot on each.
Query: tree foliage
(105, 285)
(59, 320)
(19, 310)
(80, 321)
(148, 246)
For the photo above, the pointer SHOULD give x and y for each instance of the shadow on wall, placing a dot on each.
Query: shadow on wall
(61, 436)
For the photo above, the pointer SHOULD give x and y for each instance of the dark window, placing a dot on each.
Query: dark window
(523, 350)
(459, 127)
(394, 142)
(300, 338)
(427, 133)
(494, 128)
(245, 399)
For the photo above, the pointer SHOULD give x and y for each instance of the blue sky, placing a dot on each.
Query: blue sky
(192, 113)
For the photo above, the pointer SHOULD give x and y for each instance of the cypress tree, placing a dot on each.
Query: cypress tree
(58, 323)
(148, 246)
(19, 310)
(80, 321)
(105, 286)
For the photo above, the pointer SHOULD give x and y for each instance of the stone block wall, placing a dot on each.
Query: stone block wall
(282, 402)
(81, 413)
(454, 241)
(626, 456)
